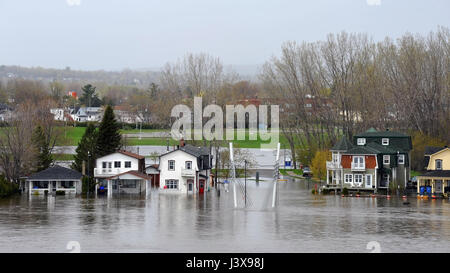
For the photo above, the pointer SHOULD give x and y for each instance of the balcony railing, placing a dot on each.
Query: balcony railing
(105, 171)
(187, 172)
(333, 165)
(358, 166)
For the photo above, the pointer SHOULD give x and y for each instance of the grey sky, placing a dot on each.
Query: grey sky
(117, 34)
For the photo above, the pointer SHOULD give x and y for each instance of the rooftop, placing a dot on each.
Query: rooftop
(56, 173)
(374, 133)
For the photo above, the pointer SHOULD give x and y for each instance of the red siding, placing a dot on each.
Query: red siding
(371, 161)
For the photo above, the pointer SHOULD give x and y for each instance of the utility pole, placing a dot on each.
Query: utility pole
(89, 177)
(245, 181)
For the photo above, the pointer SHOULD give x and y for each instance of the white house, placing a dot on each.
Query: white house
(185, 170)
(121, 172)
(88, 114)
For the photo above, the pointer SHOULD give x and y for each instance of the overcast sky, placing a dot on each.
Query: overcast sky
(117, 34)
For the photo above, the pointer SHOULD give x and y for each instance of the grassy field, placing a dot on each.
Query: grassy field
(70, 136)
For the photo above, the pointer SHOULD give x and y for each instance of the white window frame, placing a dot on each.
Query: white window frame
(361, 141)
(368, 180)
(169, 166)
(388, 161)
(359, 163)
(188, 163)
(385, 141)
(358, 176)
(127, 163)
(348, 178)
(401, 159)
(172, 184)
(436, 164)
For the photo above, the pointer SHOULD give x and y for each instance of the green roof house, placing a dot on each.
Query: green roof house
(374, 161)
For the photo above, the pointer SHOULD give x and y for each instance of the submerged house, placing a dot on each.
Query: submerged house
(54, 179)
(371, 162)
(436, 181)
(185, 169)
(122, 172)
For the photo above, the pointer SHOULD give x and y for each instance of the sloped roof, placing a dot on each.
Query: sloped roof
(195, 151)
(56, 173)
(382, 149)
(361, 150)
(342, 145)
(429, 150)
(374, 133)
(135, 173)
(443, 173)
(192, 150)
(131, 154)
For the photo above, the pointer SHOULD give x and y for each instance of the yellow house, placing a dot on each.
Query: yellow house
(437, 177)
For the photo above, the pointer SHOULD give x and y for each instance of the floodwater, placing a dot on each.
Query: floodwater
(300, 222)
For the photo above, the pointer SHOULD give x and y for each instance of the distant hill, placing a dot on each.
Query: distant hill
(124, 77)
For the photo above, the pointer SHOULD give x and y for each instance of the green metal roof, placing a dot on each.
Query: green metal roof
(342, 145)
(374, 133)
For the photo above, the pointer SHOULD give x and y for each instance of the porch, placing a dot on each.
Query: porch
(434, 183)
(132, 182)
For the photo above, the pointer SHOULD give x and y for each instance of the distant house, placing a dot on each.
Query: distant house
(185, 169)
(123, 114)
(84, 114)
(371, 162)
(122, 172)
(6, 112)
(54, 179)
(61, 114)
(436, 181)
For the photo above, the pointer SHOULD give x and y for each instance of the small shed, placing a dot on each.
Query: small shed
(54, 179)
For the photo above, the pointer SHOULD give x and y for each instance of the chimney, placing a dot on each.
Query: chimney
(182, 142)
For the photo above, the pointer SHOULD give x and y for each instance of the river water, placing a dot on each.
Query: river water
(300, 222)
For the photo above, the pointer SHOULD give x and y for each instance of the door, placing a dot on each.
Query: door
(190, 184)
(201, 186)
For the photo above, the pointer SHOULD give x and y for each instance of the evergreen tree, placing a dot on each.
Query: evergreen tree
(89, 98)
(109, 139)
(44, 156)
(86, 147)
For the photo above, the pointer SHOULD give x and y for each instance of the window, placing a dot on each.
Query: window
(358, 162)
(129, 184)
(385, 141)
(348, 178)
(104, 164)
(172, 183)
(171, 165)
(116, 164)
(386, 159)
(188, 165)
(368, 180)
(308, 105)
(361, 141)
(127, 164)
(109, 165)
(335, 158)
(358, 179)
(438, 164)
(401, 159)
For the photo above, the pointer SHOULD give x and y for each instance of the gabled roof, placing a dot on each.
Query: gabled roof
(135, 173)
(374, 133)
(382, 149)
(342, 145)
(131, 154)
(56, 173)
(361, 150)
(192, 150)
(429, 150)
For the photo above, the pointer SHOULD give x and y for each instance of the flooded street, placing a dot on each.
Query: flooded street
(301, 222)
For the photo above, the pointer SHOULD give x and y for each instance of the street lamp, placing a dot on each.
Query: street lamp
(245, 181)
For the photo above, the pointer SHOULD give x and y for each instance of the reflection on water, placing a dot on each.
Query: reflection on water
(208, 223)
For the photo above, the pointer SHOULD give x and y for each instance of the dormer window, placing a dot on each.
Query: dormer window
(439, 164)
(361, 141)
(385, 141)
